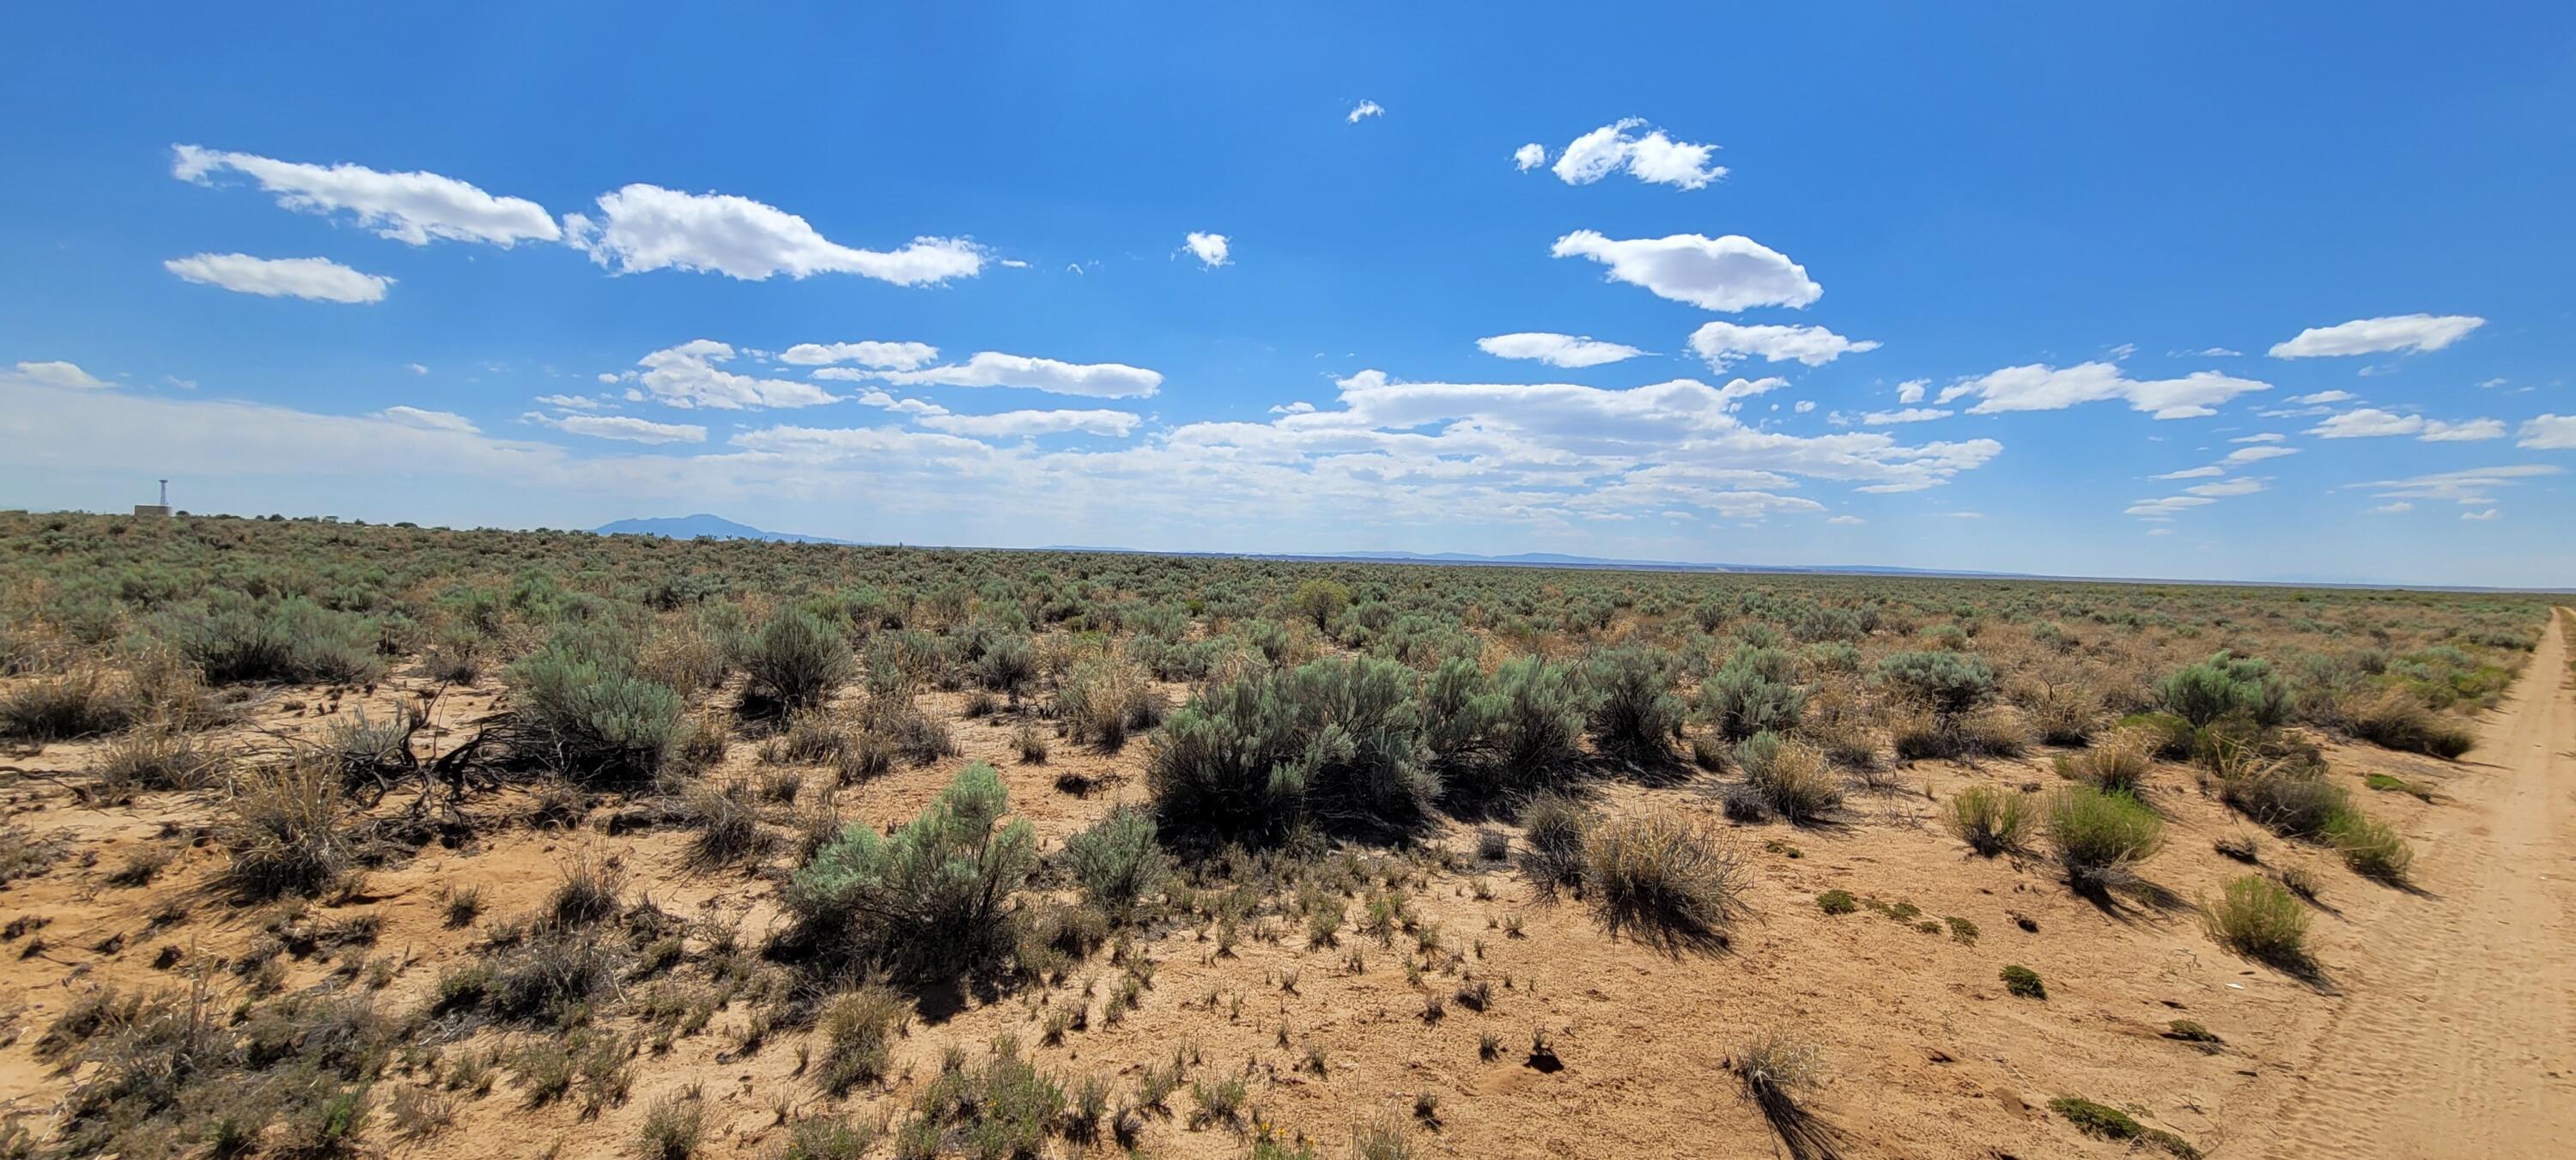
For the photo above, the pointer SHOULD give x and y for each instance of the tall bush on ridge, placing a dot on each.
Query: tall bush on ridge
(1518, 728)
(2224, 685)
(796, 659)
(587, 711)
(1948, 683)
(1635, 714)
(1335, 742)
(1753, 691)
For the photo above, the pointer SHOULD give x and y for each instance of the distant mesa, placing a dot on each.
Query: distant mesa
(702, 524)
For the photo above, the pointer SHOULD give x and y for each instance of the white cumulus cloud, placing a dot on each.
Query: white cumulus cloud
(1653, 158)
(1722, 343)
(2373, 335)
(319, 279)
(2542, 433)
(2039, 387)
(1726, 273)
(1209, 249)
(1530, 156)
(688, 375)
(1364, 110)
(645, 227)
(902, 356)
(411, 207)
(2371, 422)
(995, 369)
(1556, 350)
(54, 374)
(1905, 415)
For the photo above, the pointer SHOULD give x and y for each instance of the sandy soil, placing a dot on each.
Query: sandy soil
(2457, 1035)
(2441, 1025)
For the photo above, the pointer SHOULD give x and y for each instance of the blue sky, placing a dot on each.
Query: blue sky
(552, 268)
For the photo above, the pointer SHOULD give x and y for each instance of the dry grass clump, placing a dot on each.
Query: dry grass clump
(727, 818)
(1990, 819)
(672, 1127)
(2062, 712)
(1663, 875)
(287, 829)
(1385, 1137)
(1778, 1069)
(2118, 765)
(2259, 919)
(76, 704)
(1104, 700)
(2101, 837)
(2293, 798)
(2395, 718)
(1554, 828)
(1791, 777)
(153, 758)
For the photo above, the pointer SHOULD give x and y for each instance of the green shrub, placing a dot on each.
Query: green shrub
(2227, 685)
(234, 638)
(2370, 847)
(1837, 902)
(1320, 600)
(1751, 693)
(2025, 982)
(1660, 874)
(933, 898)
(1334, 743)
(1635, 715)
(2257, 918)
(2101, 837)
(587, 712)
(1007, 664)
(1990, 819)
(796, 660)
(2111, 1123)
(1948, 683)
(1518, 729)
(1117, 860)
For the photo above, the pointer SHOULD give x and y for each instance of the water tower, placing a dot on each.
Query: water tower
(156, 509)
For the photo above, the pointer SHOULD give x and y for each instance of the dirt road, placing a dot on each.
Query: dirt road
(2457, 1033)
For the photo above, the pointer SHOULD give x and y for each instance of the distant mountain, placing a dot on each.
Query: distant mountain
(702, 524)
